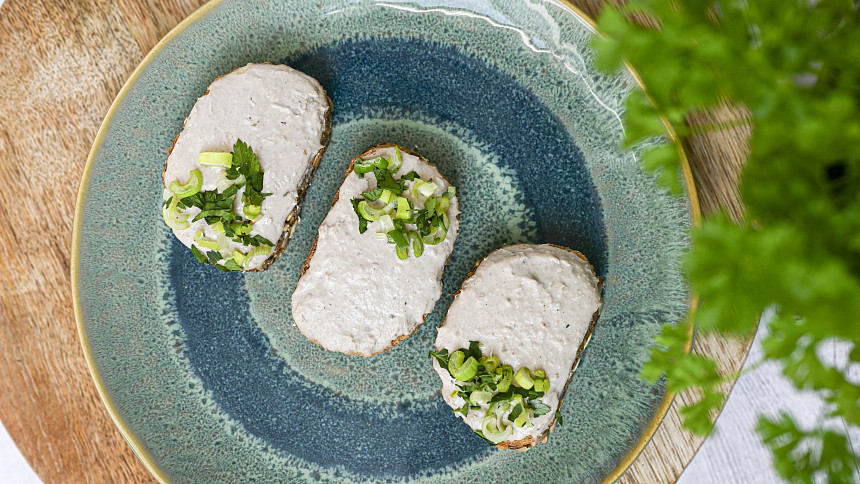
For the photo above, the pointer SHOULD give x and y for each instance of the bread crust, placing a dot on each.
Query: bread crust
(307, 263)
(293, 217)
(527, 443)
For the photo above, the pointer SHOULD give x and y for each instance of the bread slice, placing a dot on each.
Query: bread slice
(284, 116)
(530, 306)
(355, 296)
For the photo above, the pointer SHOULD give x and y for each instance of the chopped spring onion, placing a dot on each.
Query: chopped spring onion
(218, 227)
(397, 238)
(240, 229)
(445, 222)
(258, 250)
(239, 257)
(416, 242)
(427, 189)
(507, 374)
(363, 166)
(494, 429)
(460, 369)
(490, 363)
(368, 212)
(204, 242)
(173, 217)
(382, 163)
(387, 196)
(541, 385)
(524, 379)
(436, 237)
(386, 225)
(539, 374)
(195, 182)
(523, 418)
(442, 205)
(480, 397)
(208, 158)
(251, 211)
(397, 162)
(450, 192)
(402, 254)
(381, 236)
(404, 211)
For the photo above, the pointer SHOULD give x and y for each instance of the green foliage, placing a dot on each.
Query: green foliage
(800, 456)
(795, 65)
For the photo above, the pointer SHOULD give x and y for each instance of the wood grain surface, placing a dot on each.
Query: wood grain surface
(61, 64)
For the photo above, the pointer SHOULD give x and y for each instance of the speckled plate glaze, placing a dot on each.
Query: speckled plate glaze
(204, 372)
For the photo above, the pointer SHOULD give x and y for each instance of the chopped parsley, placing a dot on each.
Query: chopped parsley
(218, 208)
(495, 379)
(429, 224)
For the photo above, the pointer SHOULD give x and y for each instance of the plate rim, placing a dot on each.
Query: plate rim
(136, 445)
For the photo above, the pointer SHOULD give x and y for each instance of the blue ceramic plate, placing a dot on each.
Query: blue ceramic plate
(204, 372)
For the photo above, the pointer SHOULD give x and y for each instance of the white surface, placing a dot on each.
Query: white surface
(13, 468)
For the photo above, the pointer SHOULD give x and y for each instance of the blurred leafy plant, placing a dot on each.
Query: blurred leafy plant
(795, 64)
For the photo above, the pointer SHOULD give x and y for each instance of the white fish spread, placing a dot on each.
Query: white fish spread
(357, 297)
(281, 114)
(530, 306)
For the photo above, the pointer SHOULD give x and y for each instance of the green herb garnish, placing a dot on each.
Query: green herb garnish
(485, 381)
(218, 208)
(430, 222)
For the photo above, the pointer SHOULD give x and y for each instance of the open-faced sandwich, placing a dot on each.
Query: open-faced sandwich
(236, 174)
(513, 337)
(375, 270)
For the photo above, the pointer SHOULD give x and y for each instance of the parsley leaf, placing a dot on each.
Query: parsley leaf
(198, 255)
(441, 357)
(539, 407)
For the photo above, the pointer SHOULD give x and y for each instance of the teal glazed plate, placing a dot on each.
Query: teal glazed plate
(205, 373)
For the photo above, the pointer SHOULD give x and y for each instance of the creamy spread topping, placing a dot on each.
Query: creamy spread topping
(357, 296)
(530, 306)
(281, 114)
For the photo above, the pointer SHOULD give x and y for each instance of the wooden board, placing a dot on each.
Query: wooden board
(62, 64)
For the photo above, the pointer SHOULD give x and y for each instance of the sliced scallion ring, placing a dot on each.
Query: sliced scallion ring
(427, 189)
(386, 225)
(397, 162)
(404, 211)
(239, 228)
(218, 227)
(204, 242)
(195, 183)
(251, 211)
(363, 166)
(524, 379)
(460, 369)
(173, 217)
(507, 374)
(381, 236)
(402, 254)
(442, 205)
(257, 251)
(208, 158)
(416, 243)
(398, 239)
(239, 257)
(387, 196)
(523, 418)
(450, 192)
(480, 397)
(490, 364)
(368, 212)
(436, 237)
